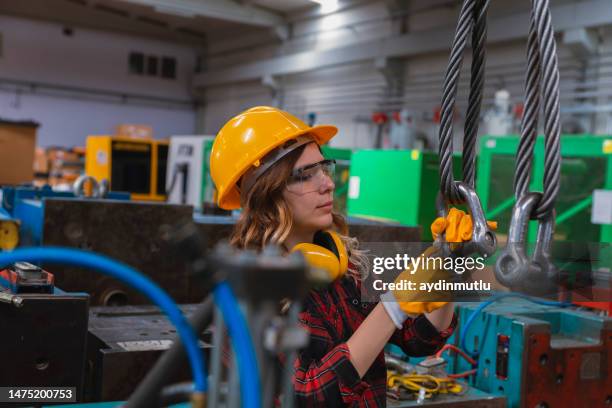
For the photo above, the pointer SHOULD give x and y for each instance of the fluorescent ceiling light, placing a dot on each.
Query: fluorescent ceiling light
(327, 6)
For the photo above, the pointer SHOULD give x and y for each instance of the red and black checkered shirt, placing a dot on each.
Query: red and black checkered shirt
(324, 374)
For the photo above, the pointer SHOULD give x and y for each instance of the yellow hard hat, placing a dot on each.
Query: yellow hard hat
(245, 139)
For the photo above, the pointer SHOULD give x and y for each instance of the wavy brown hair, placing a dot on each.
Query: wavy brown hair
(267, 219)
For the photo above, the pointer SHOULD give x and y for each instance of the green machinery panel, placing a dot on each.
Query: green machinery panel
(341, 179)
(396, 185)
(207, 193)
(586, 166)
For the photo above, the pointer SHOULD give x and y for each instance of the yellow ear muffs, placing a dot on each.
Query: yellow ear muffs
(326, 252)
(320, 258)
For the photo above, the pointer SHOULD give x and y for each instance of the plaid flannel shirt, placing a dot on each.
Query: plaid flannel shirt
(324, 375)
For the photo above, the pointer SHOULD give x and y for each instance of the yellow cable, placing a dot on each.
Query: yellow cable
(416, 382)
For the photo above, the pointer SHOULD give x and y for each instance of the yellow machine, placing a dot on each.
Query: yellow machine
(9, 233)
(137, 166)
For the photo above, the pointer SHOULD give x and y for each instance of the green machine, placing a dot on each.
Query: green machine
(396, 185)
(586, 166)
(208, 187)
(341, 179)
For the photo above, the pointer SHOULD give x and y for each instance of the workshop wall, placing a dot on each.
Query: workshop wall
(223, 102)
(600, 68)
(347, 95)
(48, 74)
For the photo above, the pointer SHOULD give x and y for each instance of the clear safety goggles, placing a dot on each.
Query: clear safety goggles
(312, 177)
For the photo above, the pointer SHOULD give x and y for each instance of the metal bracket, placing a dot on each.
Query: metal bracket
(483, 239)
(97, 190)
(514, 268)
(511, 268)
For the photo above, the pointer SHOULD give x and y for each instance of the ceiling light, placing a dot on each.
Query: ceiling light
(327, 6)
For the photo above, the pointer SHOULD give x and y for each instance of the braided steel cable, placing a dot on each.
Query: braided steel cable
(529, 121)
(552, 120)
(541, 88)
(472, 15)
(479, 37)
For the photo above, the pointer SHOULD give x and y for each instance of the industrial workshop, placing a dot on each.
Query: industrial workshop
(306, 203)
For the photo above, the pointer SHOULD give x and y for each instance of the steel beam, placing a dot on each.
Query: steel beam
(221, 9)
(591, 13)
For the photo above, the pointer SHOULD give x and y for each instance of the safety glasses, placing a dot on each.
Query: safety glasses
(312, 177)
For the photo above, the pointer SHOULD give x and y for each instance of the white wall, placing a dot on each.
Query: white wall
(601, 68)
(87, 62)
(67, 122)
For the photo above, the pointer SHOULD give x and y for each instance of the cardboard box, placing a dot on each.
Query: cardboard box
(59, 157)
(17, 145)
(137, 131)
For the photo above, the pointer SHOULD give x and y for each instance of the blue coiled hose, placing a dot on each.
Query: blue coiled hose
(224, 298)
(128, 275)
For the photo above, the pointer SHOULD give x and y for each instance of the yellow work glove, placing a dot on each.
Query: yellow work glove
(457, 225)
(419, 297)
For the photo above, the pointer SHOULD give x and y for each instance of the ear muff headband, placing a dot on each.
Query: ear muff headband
(321, 258)
(326, 252)
(331, 240)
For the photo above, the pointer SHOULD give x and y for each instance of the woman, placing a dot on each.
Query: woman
(269, 163)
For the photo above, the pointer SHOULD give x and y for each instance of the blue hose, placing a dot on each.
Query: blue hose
(243, 345)
(118, 270)
(483, 305)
